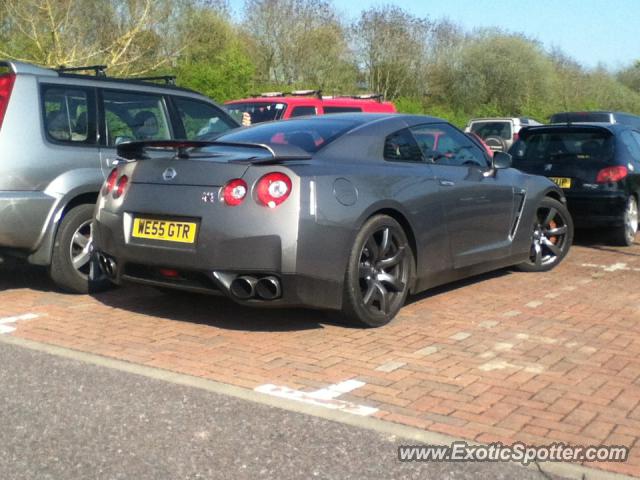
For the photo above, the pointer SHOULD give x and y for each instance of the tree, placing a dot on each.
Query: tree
(298, 42)
(391, 47)
(215, 61)
(125, 35)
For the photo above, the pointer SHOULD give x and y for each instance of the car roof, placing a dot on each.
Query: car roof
(369, 117)
(612, 127)
(23, 68)
(305, 100)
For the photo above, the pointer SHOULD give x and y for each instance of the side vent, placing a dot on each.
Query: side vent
(518, 202)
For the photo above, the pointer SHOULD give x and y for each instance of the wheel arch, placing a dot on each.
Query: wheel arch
(42, 255)
(404, 222)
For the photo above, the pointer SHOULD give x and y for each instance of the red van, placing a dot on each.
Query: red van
(279, 106)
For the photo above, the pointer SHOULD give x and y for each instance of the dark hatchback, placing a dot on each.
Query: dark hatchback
(598, 167)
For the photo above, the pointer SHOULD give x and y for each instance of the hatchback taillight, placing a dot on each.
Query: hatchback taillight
(612, 174)
(121, 186)
(273, 189)
(6, 85)
(111, 182)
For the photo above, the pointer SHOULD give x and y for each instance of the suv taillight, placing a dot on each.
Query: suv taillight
(611, 174)
(6, 85)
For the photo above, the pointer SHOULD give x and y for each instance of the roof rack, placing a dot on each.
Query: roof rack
(99, 70)
(369, 96)
(306, 93)
(167, 79)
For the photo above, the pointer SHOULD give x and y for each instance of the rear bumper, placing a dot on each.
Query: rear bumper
(606, 209)
(23, 217)
(214, 263)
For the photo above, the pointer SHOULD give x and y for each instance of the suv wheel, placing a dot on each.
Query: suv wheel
(625, 235)
(71, 258)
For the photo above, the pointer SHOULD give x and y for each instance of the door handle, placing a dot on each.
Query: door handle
(447, 183)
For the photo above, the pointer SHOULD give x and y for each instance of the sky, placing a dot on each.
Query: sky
(590, 31)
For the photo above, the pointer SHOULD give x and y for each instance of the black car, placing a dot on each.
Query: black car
(598, 167)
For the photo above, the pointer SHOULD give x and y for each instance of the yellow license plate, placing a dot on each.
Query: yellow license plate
(167, 230)
(561, 181)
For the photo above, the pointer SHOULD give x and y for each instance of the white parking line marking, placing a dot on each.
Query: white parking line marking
(7, 324)
(614, 267)
(325, 397)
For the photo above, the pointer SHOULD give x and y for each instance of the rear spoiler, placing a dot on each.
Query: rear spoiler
(184, 149)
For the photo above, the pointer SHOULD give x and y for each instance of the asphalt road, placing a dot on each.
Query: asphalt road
(64, 419)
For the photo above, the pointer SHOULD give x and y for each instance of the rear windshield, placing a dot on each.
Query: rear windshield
(308, 134)
(259, 111)
(577, 117)
(550, 147)
(492, 129)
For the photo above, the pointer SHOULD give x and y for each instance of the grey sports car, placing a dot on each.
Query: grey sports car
(348, 212)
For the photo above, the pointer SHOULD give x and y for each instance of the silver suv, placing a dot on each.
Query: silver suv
(58, 135)
(499, 133)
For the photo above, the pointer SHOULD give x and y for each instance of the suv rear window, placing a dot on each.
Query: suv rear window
(68, 115)
(259, 111)
(558, 146)
(200, 119)
(492, 129)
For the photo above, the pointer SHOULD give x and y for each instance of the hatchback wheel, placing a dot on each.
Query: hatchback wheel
(626, 234)
(551, 236)
(378, 274)
(71, 260)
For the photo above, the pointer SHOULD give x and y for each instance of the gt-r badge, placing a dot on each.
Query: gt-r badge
(169, 174)
(208, 197)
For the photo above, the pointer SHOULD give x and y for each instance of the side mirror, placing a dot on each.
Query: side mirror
(501, 160)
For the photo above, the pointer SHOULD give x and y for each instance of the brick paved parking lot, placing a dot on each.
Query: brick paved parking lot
(503, 357)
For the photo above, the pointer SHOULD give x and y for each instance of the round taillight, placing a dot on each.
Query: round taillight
(233, 192)
(121, 186)
(111, 181)
(273, 189)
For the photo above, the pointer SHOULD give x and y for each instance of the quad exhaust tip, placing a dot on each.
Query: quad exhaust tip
(247, 287)
(268, 288)
(107, 265)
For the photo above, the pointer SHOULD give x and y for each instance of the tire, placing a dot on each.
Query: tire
(495, 143)
(625, 234)
(73, 240)
(374, 293)
(551, 236)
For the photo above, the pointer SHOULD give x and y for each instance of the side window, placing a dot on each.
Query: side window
(69, 115)
(328, 110)
(134, 116)
(303, 110)
(402, 147)
(442, 144)
(201, 119)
